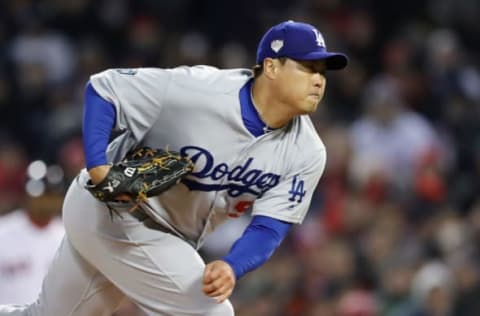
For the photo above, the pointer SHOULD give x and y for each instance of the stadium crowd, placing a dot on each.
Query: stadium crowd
(394, 226)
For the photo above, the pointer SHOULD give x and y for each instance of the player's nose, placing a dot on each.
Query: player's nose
(318, 80)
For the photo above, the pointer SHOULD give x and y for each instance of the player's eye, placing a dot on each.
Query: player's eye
(312, 67)
(318, 67)
(304, 66)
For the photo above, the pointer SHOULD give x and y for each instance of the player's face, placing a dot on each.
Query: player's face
(301, 84)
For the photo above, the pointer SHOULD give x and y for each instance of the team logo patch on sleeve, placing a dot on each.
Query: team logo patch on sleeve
(127, 71)
(297, 191)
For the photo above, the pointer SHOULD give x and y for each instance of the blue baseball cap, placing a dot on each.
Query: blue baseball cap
(298, 41)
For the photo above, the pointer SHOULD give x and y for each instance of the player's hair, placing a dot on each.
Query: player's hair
(258, 69)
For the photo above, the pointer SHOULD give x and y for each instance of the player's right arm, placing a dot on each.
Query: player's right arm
(98, 121)
(257, 244)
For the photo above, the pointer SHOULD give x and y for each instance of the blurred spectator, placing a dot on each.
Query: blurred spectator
(144, 40)
(71, 158)
(233, 55)
(63, 121)
(51, 51)
(453, 237)
(29, 238)
(396, 278)
(13, 164)
(358, 303)
(194, 49)
(388, 139)
(394, 228)
(467, 277)
(433, 288)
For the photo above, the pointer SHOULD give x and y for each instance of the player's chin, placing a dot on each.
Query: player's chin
(310, 106)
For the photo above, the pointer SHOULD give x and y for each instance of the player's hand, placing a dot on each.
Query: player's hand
(218, 280)
(97, 174)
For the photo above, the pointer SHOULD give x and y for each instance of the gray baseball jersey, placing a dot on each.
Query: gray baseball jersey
(196, 110)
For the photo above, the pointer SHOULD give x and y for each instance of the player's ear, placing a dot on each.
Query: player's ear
(270, 68)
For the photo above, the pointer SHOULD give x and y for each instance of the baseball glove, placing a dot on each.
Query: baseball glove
(143, 173)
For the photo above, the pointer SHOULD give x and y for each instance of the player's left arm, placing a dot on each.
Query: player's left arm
(273, 215)
(257, 244)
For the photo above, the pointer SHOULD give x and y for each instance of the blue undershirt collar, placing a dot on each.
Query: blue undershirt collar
(251, 119)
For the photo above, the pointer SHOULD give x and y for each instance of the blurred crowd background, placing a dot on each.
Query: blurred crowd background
(394, 226)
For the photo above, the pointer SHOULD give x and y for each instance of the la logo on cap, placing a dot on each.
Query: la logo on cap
(276, 45)
(319, 38)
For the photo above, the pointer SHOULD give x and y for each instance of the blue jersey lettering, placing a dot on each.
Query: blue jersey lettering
(237, 180)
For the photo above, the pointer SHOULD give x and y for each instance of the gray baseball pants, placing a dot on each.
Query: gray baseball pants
(100, 262)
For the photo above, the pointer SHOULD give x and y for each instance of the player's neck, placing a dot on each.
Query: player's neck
(273, 113)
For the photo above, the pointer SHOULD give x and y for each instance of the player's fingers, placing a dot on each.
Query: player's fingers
(224, 296)
(223, 269)
(215, 273)
(207, 277)
(209, 292)
(211, 273)
(212, 286)
(219, 285)
(208, 288)
(218, 279)
(219, 291)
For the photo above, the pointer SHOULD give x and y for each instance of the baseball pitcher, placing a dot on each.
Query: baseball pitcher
(192, 147)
